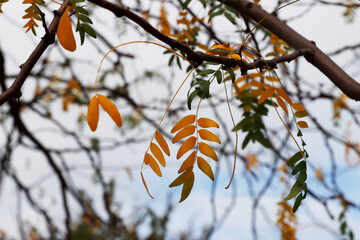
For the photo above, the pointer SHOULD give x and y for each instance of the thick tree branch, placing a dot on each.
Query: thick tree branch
(319, 59)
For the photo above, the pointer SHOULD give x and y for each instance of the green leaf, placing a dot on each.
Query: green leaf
(217, 13)
(81, 10)
(230, 18)
(343, 227)
(191, 97)
(206, 89)
(233, 10)
(299, 168)
(171, 60)
(246, 140)
(231, 72)
(218, 76)
(294, 191)
(295, 158)
(84, 18)
(299, 133)
(186, 4)
(301, 114)
(206, 72)
(89, 30)
(203, 3)
(301, 178)
(297, 202)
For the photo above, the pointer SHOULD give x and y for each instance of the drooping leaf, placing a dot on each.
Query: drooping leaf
(297, 202)
(303, 124)
(295, 158)
(191, 97)
(268, 93)
(298, 107)
(301, 166)
(65, 33)
(158, 154)
(93, 113)
(111, 109)
(282, 104)
(207, 135)
(283, 94)
(207, 122)
(149, 160)
(301, 114)
(295, 190)
(188, 163)
(180, 179)
(218, 76)
(145, 185)
(231, 73)
(207, 150)
(186, 146)
(185, 121)
(183, 133)
(162, 142)
(205, 167)
(187, 186)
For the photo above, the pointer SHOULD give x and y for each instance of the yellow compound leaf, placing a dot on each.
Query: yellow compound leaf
(282, 104)
(283, 94)
(162, 142)
(207, 135)
(111, 109)
(185, 121)
(93, 113)
(186, 146)
(185, 132)
(149, 160)
(158, 154)
(268, 93)
(207, 122)
(65, 33)
(188, 163)
(303, 124)
(188, 185)
(298, 107)
(205, 167)
(207, 151)
(301, 114)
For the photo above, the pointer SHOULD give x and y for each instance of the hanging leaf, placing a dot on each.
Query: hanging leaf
(188, 185)
(111, 109)
(162, 142)
(298, 107)
(268, 93)
(303, 124)
(181, 179)
(188, 163)
(282, 104)
(185, 121)
(272, 79)
(158, 154)
(301, 114)
(145, 185)
(186, 146)
(207, 151)
(295, 158)
(283, 94)
(149, 160)
(183, 133)
(205, 167)
(65, 33)
(93, 113)
(207, 122)
(207, 135)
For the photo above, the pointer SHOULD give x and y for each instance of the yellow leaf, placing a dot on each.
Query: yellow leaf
(301, 114)
(110, 108)
(205, 167)
(207, 122)
(298, 107)
(143, 180)
(282, 104)
(149, 160)
(93, 113)
(207, 151)
(268, 93)
(158, 154)
(272, 79)
(235, 56)
(283, 94)
(254, 75)
(303, 124)
(188, 163)
(186, 146)
(65, 33)
(257, 84)
(187, 120)
(207, 135)
(202, 46)
(181, 179)
(162, 142)
(188, 184)
(185, 132)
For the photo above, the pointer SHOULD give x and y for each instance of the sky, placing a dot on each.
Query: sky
(329, 31)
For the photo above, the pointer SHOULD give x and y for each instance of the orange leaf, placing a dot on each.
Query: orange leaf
(207, 135)
(298, 107)
(303, 124)
(185, 132)
(143, 180)
(301, 114)
(158, 154)
(186, 146)
(188, 184)
(65, 33)
(207, 151)
(254, 75)
(187, 120)
(283, 94)
(162, 142)
(181, 179)
(205, 167)
(282, 105)
(188, 163)
(149, 160)
(93, 113)
(268, 93)
(272, 79)
(110, 108)
(207, 122)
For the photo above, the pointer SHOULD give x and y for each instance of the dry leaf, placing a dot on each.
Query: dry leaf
(111, 109)
(268, 93)
(93, 113)
(65, 33)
